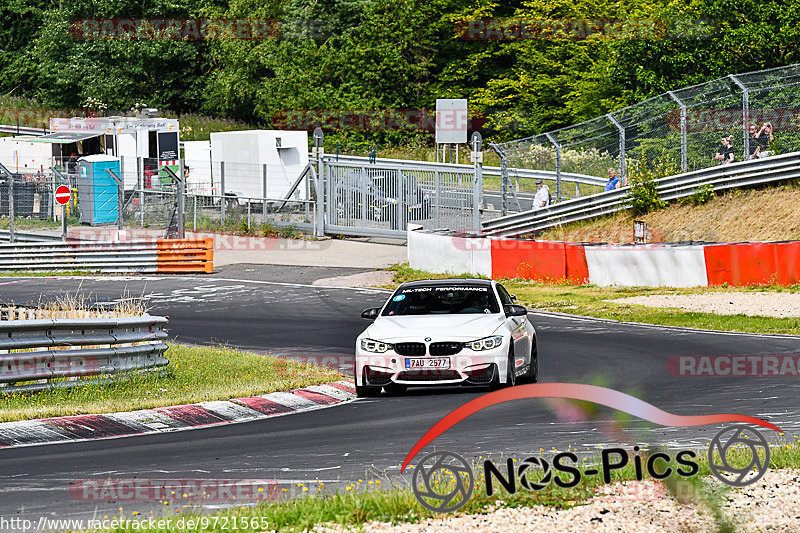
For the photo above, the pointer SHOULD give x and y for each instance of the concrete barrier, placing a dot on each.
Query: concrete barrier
(649, 265)
(441, 253)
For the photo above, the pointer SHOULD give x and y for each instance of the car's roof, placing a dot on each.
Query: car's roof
(470, 282)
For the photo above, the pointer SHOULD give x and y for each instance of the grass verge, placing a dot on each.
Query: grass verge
(594, 301)
(195, 374)
(46, 274)
(384, 500)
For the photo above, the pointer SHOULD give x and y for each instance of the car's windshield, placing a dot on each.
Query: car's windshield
(442, 300)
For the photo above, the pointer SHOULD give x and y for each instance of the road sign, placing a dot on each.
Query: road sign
(451, 120)
(63, 194)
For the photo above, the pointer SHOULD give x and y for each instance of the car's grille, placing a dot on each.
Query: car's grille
(409, 348)
(428, 375)
(446, 348)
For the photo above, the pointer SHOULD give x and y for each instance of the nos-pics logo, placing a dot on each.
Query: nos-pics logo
(444, 482)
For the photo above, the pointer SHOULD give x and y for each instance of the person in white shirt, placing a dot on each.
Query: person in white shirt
(542, 198)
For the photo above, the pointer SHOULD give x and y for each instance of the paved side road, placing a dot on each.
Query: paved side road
(305, 275)
(229, 250)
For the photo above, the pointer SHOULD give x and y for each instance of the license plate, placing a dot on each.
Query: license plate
(434, 362)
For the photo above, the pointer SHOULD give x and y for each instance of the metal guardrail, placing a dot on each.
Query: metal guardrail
(73, 348)
(524, 173)
(161, 255)
(25, 236)
(742, 174)
(23, 130)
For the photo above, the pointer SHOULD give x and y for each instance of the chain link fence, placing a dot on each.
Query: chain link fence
(33, 200)
(246, 204)
(735, 118)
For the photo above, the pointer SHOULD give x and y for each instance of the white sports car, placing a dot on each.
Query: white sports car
(445, 332)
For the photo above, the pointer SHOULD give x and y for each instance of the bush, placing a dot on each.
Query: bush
(643, 196)
(701, 196)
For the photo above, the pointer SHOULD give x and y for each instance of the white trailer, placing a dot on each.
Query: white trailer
(197, 157)
(20, 155)
(143, 143)
(247, 155)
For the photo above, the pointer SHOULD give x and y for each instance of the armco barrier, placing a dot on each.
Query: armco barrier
(68, 348)
(651, 265)
(156, 256)
(185, 255)
(723, 177)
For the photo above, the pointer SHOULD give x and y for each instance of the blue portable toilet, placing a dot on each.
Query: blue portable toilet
(97, 190)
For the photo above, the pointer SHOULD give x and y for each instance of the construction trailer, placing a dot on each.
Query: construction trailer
(21, 155)
(144, 144)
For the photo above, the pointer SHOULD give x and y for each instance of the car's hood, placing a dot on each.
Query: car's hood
(437, 327)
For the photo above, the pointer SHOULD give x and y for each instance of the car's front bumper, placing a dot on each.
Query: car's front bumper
(465, 367)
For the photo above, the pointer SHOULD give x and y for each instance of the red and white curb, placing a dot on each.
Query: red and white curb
(174, 418)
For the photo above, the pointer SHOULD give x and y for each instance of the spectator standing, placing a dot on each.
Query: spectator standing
(725, 152)
(542, 198)
(730, 154)
(72, 164)
(755, 141)
(765, 140)
(185, 178)
(613, 180)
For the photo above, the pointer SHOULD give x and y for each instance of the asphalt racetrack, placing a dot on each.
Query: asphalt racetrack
(369, 437)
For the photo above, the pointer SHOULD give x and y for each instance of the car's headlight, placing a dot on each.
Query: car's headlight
(369, 345)
(487, 343)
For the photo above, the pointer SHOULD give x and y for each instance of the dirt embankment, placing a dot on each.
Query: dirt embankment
(771, 214)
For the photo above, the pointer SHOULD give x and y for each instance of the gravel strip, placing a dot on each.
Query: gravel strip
(772, 504)
(774, 304)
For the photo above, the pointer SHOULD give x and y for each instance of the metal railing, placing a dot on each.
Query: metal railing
(161, 255)
(28, 236)
(60, 351)
(723, 177)
(514, 172)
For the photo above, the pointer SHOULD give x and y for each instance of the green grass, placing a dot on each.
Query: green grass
(195, 374)
(237, 225)
(594, 301)
(379, 498)
(50, 274)
(28, 224)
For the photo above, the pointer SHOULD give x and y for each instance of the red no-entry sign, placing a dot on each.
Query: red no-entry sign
(63, 195)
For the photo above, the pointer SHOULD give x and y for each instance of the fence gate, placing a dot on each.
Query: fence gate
(380, 200)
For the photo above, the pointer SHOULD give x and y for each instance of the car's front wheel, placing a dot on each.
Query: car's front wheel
(511, 378)
(364, 391)
(532, 374)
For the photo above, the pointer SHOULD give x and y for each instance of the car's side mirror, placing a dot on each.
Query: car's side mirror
(516, 310)
(371, 313)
